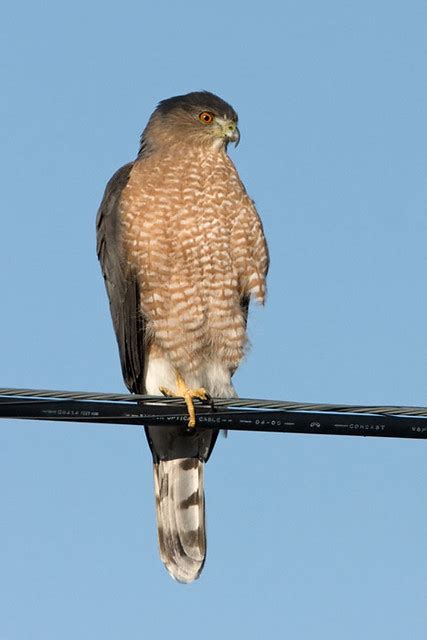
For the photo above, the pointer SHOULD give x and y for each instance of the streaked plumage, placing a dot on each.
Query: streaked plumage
(182, 251)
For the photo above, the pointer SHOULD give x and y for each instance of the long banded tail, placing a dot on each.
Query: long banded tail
(180, 506)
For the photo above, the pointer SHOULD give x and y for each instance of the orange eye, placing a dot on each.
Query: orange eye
(206, 117)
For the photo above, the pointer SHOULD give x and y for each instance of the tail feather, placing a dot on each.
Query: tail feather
(180, 506)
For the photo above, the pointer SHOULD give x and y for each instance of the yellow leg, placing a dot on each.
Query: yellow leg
(188, 394)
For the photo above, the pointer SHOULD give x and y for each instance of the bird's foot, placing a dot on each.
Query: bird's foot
(188, 394)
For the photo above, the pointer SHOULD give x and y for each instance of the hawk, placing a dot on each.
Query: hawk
(182, 251)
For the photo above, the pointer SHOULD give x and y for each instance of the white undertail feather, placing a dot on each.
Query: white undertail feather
(180, 506)
(179, 483)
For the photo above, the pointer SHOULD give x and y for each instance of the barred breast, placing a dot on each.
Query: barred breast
(196, 243)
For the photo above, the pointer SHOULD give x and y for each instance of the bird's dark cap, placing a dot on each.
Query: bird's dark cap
(198, 100)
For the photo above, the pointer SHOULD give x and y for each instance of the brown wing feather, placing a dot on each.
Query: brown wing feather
(121, 283)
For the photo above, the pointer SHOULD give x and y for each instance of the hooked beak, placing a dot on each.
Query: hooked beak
(235, 136)
(230, 131)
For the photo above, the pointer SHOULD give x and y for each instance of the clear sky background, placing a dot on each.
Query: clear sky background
(309, 536)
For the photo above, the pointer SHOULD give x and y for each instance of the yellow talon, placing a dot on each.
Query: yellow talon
(188, 395)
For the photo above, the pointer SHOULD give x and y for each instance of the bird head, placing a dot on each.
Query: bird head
(199, 118)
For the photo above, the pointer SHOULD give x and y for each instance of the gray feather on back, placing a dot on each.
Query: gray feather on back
(121, 284)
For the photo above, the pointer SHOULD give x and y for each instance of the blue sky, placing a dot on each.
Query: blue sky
(309, 536)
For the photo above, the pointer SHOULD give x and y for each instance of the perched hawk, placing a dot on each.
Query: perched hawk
(182, 251)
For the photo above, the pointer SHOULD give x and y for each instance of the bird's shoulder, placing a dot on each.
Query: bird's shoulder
(116, 184)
